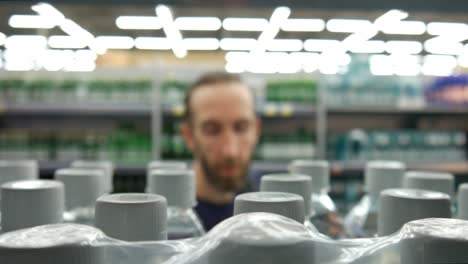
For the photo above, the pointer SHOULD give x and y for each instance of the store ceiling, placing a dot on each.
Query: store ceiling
(100, 19)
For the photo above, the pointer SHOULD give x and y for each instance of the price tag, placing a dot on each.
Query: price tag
(178, 110)
(270, 110)
(286, 110)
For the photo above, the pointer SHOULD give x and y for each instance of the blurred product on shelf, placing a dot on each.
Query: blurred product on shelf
(173, 91)
(124, 146)
(304, 91)
(40, 90)
(359, 88)
(276, 146)
(404, 145)
(448, 91)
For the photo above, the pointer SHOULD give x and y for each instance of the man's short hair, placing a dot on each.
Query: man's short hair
(210, 78)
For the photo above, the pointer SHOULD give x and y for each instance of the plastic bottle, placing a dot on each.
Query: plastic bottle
(379, 175)
(82, 188)
(291, 183)
(324, 215)
(178, 186)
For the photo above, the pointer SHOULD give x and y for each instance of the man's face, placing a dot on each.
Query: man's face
(224, 132)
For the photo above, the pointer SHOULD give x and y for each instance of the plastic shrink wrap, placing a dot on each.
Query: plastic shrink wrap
(247, 238)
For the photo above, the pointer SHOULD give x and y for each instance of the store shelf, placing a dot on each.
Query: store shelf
(397, 111)
(344, 168)
(82, 108)
(268, 110)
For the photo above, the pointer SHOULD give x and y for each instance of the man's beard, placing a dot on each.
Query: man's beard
(233, 183)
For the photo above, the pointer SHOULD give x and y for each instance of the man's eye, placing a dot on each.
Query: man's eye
(241, 127)
(211, 129)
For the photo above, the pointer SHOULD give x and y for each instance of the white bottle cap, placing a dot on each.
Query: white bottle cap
(434, 240)
(31, 203)
(318, 170)
(285, 204)
(289, 183)
(107, 166)
(17, 170)
(176, 185)
(132, 216)
(82, 186)
(432, 181)
(381, 175)
(400, 206)
(52, 244)
(462, 200)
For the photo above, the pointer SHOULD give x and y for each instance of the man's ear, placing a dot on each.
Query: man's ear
(187, 133)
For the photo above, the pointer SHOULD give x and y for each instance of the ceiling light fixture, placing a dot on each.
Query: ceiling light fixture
(348, 25)
(403, 47)
(245, 24)
(172, 33)
(198, 23)
(279, 15)
(138, 22)
(115, 42)
(152, 43)
(285, 45)
(31, 21)
(66, 42)
(237, 43)
(303, 25)
(201, 43)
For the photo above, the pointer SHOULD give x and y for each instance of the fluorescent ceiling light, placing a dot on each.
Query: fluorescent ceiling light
(87, 55)
(75, 30)
(115, 42)
(232, 67)
(285, 45)
(55, 60)
(439, 65)
(404, 47)
(405, 28)
(348, 25)
(406, 65)
(245, 24)
(447, 29)
(440, 46)
(201, 43)
(50, 12)
(18, 60)
(172, 33)
(463, 60)
(290, 65)
(321, 44)
(26, 42)
(371, 46)
(237, 56)
(66, 42)
(279, 15)
(88, 66)
(340, 59)
(237, 43)
(381, 65)
(152, 43)
(138, 22)
(308, 60)
(198, 23)
(31, 21)
(303, 25)
(2, 38)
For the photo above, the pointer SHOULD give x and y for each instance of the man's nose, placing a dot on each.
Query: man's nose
(230, 144)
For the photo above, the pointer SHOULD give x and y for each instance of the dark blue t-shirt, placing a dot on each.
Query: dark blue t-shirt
(211, 214)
